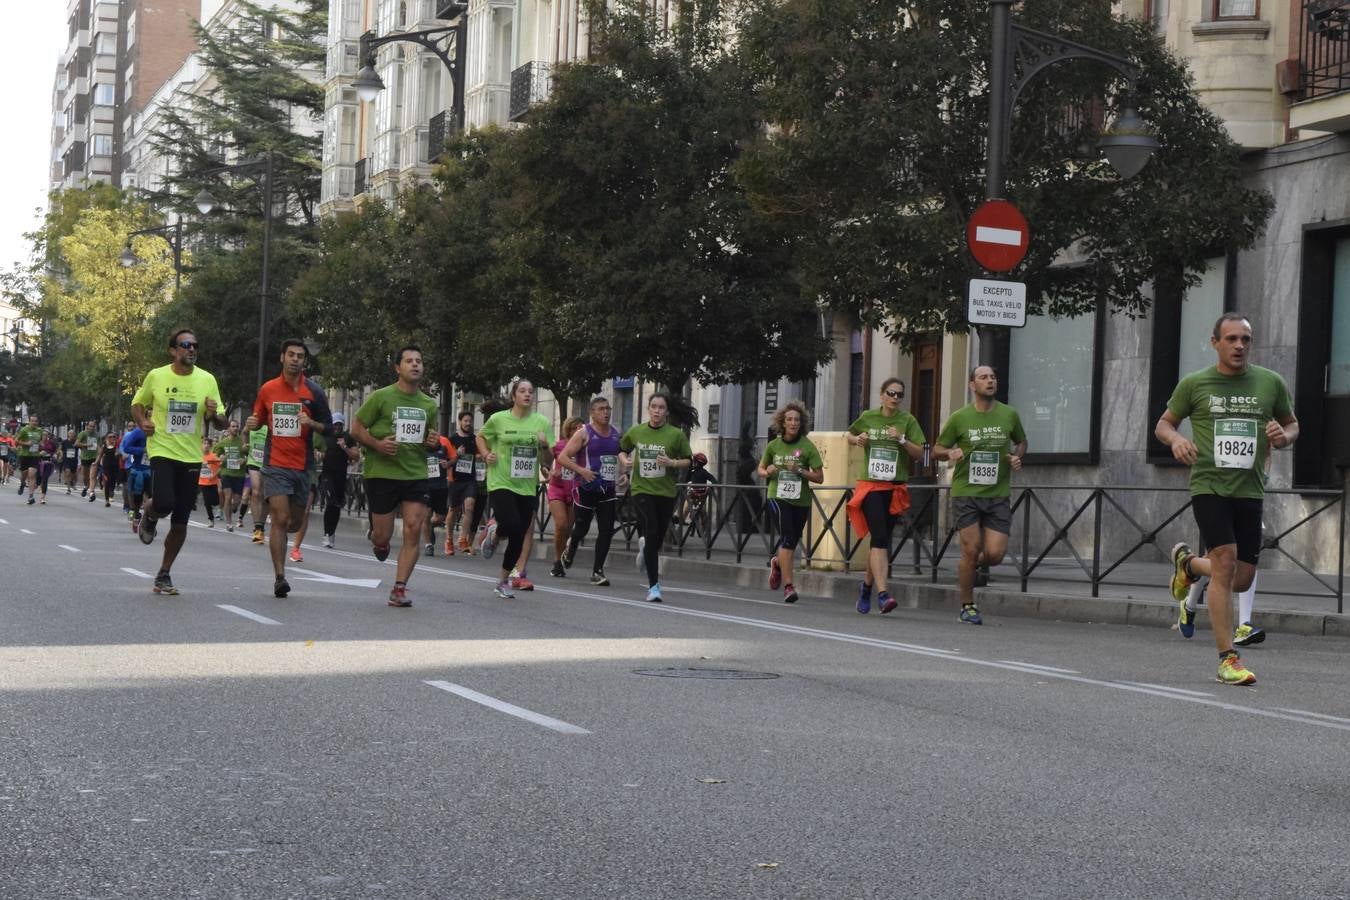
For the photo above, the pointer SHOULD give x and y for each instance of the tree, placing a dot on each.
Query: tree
(621, 243)
(877, 160)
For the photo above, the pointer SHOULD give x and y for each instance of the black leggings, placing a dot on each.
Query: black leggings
(337, 498)
(654, 513)
(603, 513)
(515, 514)
(876, 508)
(791, 523)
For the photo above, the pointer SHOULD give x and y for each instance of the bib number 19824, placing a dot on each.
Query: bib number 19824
(1235, 443)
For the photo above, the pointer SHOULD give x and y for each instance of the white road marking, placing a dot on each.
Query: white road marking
(509, 708)
(26, 531)
(1166, 687)
(68, 547)
(4, 521)
(1038, 667)
(1304, 712)
(325, 578)
(238, 611)
(137, 572)
(679, 590)
(986, 234)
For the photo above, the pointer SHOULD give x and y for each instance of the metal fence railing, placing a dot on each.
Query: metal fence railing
(732, 521)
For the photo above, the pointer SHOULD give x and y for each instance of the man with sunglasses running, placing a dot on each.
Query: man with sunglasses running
(174, 406)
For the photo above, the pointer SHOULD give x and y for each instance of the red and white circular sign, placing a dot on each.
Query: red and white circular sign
(998, 235)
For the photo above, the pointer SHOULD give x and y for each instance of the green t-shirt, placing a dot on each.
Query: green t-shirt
(232, 455)
(257, 447)
(649, 442)
(984, 469)
(1228, 416)
(88, 443)
(516, 443)
(785, 486)
(883, 457)
(407, 418)
(29, 441)
(177, 405)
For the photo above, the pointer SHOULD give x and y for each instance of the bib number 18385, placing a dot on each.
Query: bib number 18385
(983, 467)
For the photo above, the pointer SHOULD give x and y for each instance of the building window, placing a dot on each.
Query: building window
(131, 30)
(1235, 9)
(1157, 15)
(102, 145)
(855, 375)
(104, 95)
(714, 417)
(1322, 383)
(770, 397)
(1053, 382)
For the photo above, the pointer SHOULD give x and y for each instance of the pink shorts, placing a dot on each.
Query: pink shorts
(562, 490)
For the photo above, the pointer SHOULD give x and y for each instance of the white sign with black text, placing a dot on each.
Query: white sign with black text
(997, 303)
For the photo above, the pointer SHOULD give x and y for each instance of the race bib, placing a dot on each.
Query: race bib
(883, 463)
(255, 456)
(648, 467)
(232, 460)
(464, 465)
(609, 468)
(410, 425)
(182, 417)
(206, 472)
(983, 467)
(35, 448)
(286, 419)
(565, 474)
(1235, 443)
(70, 454)
(524, 459)
(433, 467)
(789, 486)
(479, 470)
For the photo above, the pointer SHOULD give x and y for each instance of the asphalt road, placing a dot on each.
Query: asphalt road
(224, 743)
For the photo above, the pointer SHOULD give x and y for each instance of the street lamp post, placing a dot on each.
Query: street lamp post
(205, 202)
(128, 257)
(368, 83)
(1128, 144)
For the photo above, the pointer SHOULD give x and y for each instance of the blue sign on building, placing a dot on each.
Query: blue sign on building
(624, 384)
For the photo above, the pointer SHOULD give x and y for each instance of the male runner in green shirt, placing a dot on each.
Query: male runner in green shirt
(1238, 412)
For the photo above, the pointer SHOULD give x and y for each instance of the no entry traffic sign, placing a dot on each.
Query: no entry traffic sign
(998, 235)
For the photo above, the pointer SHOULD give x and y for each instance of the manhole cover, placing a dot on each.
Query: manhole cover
(718, 674)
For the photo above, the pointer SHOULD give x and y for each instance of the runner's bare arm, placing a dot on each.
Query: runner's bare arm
(1015, 458)
(1183, 450)
(1282, 432)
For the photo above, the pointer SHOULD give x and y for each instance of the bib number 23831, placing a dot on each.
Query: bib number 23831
(882, 463)
(1235, 443)
(524, 457)
(182, 417)
(983, 467)
(286, 419)
(410, 425)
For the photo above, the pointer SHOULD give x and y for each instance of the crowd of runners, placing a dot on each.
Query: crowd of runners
(181, 452)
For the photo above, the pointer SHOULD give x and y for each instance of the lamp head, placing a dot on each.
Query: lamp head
(368, 83)
(1129, 143)
(204, 201)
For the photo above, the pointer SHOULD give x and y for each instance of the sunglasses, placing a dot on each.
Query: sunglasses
(188, 345)
(897, 395)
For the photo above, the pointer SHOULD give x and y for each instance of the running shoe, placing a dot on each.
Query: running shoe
(775, 574)
(32, 500)
(43, 501)
(638, 561)
(296, 555)
(558, 571)
(164, 585)
(381, 553)
(503, 590)
(885, 602)
(135, 526)
(568, 556)
(1247, 634)
(1186, 620)
(654, 594)
(328, 541)
(429, 549)
(69, 492)
(398, 596)
(521, 583)
(84, 493)
(489, 545)
(598, 578)
(1181, 579)
(92, 498)
(20, 488)
(970, 614)
(229, 526)
(107, 503)
(465, 547)
(210, 523)
(131, 515)
(864, 598)
(147, 532)
(449, 548)
(257, 535)
(789, 594)
(1232, 671)
(282, 587)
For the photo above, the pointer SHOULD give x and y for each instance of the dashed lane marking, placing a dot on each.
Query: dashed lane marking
(247, 614)
(509, 708)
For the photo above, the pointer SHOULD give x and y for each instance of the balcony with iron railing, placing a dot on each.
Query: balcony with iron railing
(530, 85)
(440, 131)
(1323, 89)
(360, 181)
